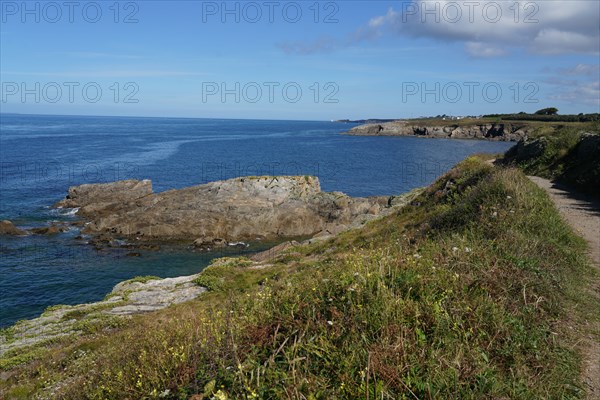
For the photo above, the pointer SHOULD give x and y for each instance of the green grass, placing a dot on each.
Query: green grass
(468, 292)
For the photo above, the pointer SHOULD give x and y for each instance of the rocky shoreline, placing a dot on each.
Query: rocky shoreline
(210, 216)
(219, 213)
(508, 132)
(127, 298)
(206, 217)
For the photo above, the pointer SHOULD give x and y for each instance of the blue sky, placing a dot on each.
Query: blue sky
(352, 59)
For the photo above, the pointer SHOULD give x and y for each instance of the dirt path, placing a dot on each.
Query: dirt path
(583, 214)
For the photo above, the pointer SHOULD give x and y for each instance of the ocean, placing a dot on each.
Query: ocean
(41, 156)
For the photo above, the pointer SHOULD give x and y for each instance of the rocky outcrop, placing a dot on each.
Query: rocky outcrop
(100, 194)
(9, 229)
(498, 132)
(127, 298)
(210, 215)
(582, 165)
(526, 150)
(588, 147)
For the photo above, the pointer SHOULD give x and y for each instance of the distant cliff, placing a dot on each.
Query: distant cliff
(509, 132)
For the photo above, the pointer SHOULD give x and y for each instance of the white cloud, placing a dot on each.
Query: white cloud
(379, 21)
(491, 28)
(554, 41)
(487, 28)
(483, 50)
(582, 70)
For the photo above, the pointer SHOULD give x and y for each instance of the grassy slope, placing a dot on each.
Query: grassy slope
(469, 292)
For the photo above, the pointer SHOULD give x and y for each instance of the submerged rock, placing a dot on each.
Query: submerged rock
(52, 229)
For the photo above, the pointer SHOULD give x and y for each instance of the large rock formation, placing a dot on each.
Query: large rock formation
(241, 209)
(498, 132)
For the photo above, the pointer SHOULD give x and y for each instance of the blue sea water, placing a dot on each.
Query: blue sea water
(41, 156)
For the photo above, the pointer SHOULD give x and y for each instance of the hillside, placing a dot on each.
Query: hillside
(472, 290)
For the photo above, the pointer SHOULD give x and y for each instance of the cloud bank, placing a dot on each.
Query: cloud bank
(486, 28)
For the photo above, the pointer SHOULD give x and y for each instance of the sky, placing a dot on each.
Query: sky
(302, 60)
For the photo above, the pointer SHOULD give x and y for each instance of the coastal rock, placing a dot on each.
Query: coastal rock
(209, 243)
(52, 229)
(9, 229)
(526, 150)
(127, 298)
(589, 146)
(155, 294)
(98, 195)
(371, 129)
(483, 131)
(217, 213)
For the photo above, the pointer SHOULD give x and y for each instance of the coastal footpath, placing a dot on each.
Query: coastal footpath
(510, 132)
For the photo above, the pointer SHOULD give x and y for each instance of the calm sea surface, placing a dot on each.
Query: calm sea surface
(41, 156)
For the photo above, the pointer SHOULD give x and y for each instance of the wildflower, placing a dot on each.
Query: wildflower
(417, 256)
(509, 197)
(330, 323)
(220, 395)
(455, 249)
(467, 249)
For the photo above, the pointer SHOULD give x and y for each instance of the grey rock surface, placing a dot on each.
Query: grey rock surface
(241, 209)
(127, 298)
